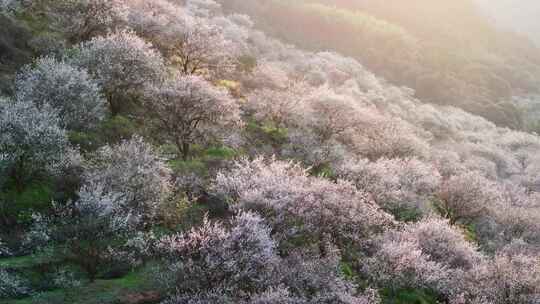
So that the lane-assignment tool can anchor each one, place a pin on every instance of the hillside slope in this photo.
(173, 152)
(447, 51)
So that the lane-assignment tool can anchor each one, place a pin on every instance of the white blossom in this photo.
(69, 90)
(31, 140)
(122, 63)
(189, 110)
(296, 204)
(81, 20)
(134, 171)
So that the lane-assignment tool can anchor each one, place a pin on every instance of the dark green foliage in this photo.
(470, 232)
(247, 63)
(323, 170)
(203, 162)
(19, 36)
(276, 134)
(182, 215)
(405, 213)
(189, 166)
(116, 129)
(16, 206)
(86, 141)
(111, 131)
(409, 296)
(266, 134)
(115, 271)
(13, 41)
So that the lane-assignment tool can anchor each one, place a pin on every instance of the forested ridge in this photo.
(266, 152)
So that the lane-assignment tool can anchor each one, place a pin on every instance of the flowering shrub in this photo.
(318, 279)
(69, 90)
(509, 277)
(82, 20)
(189, 110)
(133, 170)
(31, 141)
(241, 260)
(192, 43)
(429, 254)
(467, 196)
(87, 228)
(383, 160)
(395, 184)
(121, 63)
(299, 206)
(11, 285)
(212, 264)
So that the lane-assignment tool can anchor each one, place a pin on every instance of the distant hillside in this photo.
(448, 51)
(522, 16)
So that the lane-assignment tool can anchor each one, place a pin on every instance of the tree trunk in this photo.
(17, 176)
(92, 266)
(113, 107)
(184, 149)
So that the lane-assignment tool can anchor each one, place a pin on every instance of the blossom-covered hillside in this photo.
(178, 152)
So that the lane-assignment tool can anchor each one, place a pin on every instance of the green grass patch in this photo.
(100, 292)
(189, 166)
(220, 153)
(21, 262)
(202, 161)
(275, 133)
